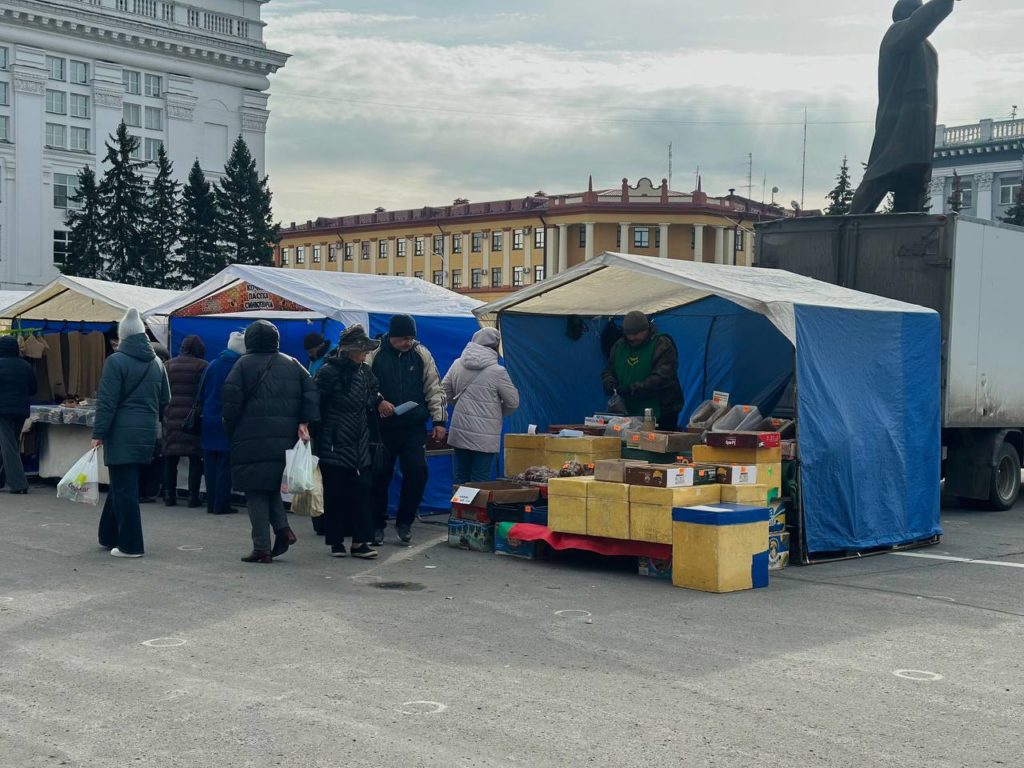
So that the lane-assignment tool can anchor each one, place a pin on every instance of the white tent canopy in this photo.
(343, 296)
(614, 284)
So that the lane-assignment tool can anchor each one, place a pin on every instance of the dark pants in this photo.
(149, 477)
(217, 465)
(10, 458)
(909, 188)
(266, 511)
(409, 448)
(121, 521)
(669, 421)
(346, 505)
(195, 476)
(472, 466)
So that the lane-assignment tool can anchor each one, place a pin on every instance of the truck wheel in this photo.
(1006, 478)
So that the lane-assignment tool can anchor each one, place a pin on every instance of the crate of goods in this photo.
(618, 426)
(706, 415)
(705, 454)
(509, 547)
(650, 457)
(655, 568)
(481, 501)
(662, 442)
(471, 535)
(740, 418)
(759, 494)
(650, 509)
(785, 427)
(720, 547)
(586, 429)
(613, 470)
(608, 510)
(537, 514)
(790, 450)
(585, 450)
(744, 440)
(778, 550)
(669, 475)
(523, 452)
(567, 504)
(737, 474)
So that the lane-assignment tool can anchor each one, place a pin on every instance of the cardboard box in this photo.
(737, 474)
(777, 521)
(586, 450)
(650, 509)
(575, 487)
(613, 470)
(536, 514)
(759, 494)
(504, 545)
(705, 454)
(649, 457)
(749, 440)
(790, 450)
(662, 442)
(608, 510)
(720, 547)
(778, 550)
(567, 514)
(669, 475)
(490, 494)
(586, 429)
(653, 568)
(468, 534)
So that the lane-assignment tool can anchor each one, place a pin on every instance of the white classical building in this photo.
(191, 76)
(988, 156)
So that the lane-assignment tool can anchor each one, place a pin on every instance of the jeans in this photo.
(266, 511)
(195, 476)
(10, 458)
(217, 465)
(472, 466)
(409, 448)
(346, 505)
(121, 521)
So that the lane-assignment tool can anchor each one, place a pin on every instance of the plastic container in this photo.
(785, 427)
(706, 415)
(742, 418)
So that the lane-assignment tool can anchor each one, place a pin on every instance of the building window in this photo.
(79, 105)
(4, 95)
(65, 186)
(56, 102)
(418, 275)
(538, 237)
(495, 277)
(365, 250)
(657, 238)
(153, 149)
(5, 128)
(400, 249)
(154, 119)
(456, 243)
(517, 239)
(167, 11)
(382, 249)
(317, 254)
(517, 276)
(583, 235)
(641, 237)
(56, 136)
(61, 240)
(495, 241)
(476, 278)
(79, 72)
(438, 277)
(967, 194)
(618, 238)
(300, 254)
(55, 67)
(132, 82)
(4, 58)
(132, 115)
(349, 251)
(79, 139)
(1009, 189)
(154, 86)
(419, 246)
(438, 245)
(136, 151)
(738, 244)
(284, 256)
(456, 278)
(399, 274)
(477, 244)
(538, 273)
(332, 253)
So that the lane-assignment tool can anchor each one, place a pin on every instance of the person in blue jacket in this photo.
(318, 348)
(214, 441)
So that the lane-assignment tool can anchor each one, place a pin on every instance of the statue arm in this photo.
(923, 23)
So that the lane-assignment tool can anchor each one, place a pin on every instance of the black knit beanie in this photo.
(402, 326)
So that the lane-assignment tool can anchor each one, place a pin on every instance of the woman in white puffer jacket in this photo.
(483, 395)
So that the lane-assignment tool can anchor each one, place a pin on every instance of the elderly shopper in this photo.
(132, 395)
(184, 372)
(17, 386)
(214, 441)
(348, 402)
(269, 401)
(483, 395)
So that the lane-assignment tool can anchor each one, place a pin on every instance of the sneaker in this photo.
(404, 533)
(378, 537)
(118, 553)
(364, 551)
(338, 550)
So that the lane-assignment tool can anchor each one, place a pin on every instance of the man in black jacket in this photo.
(408, 379)
(17, 385)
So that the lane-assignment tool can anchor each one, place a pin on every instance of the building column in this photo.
(409, 255)
(357, 255)
(748, 249)
(392, 247)
(551, 251)
(467, 243)
(485, 255)
(983, 195)
(719, 244)
(563, 248)
(527, 256)
(937, 193)
(446, 261)
(590, 240)
(663, 235)
(428, 252)
(624, 237)
(698, 242)
(506, 260)
(30, 258)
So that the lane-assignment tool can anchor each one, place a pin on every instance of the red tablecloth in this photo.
(612, 547)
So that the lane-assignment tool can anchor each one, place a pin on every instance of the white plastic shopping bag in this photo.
(299, 464)
(82, 482)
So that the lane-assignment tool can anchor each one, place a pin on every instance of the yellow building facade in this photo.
(489, 249)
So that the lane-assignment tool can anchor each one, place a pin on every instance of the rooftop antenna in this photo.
(803, 172)
(750, 178)
(670, 165)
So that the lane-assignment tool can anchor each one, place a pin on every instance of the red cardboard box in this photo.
(744, 439)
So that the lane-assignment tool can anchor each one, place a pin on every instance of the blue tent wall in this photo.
(214, 332)
(869, 409)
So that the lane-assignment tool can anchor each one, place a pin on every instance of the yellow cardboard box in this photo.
(703, 454)
(567, 504)
(720, 547)
(750, 494)
(608, 510)
(650, 509)
(586, 450)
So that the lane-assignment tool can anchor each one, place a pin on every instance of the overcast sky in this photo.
(406, 103)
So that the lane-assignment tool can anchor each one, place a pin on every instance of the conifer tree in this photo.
(1015, 214)
(160, 228)
(248, 231)
(85, 229)
(200, 255)
(956, 197)
(122, 200)
(842, 195)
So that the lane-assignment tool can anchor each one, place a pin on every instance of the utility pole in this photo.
(750, 178)
(670, 165)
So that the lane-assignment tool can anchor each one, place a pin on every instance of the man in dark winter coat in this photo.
(17, 386)
(643, 369)
(408, 378)
(214, 441)
(132, 396)
(269, 401)
(184, 373)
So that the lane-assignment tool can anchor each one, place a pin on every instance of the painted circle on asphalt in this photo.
(191, 548)
(164, 642)
(918, 675)
(574, 614)
(422, 708)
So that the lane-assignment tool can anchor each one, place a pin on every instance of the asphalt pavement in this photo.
(439, 657)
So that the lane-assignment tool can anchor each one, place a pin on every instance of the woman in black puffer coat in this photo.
(348, 401)
(269, 401)
(184, 373)
(17, 385)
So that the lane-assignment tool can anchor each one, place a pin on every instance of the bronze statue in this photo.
(908, 76)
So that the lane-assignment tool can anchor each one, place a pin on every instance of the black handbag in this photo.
(193, 424)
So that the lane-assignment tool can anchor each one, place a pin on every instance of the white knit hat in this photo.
(236, 342)
(130, 325)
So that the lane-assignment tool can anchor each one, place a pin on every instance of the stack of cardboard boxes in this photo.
(553, 452)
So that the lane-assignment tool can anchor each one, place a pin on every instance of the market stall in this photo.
(300, 301)
(865, 371)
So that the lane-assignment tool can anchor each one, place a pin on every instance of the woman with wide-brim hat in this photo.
(348, 403)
